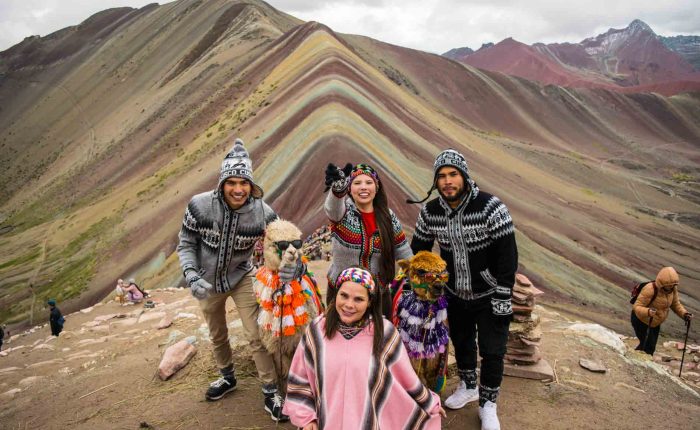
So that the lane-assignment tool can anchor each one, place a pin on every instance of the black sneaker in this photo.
(274, 405)
(220, 387)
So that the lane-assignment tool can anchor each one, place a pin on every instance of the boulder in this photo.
(600, 334)
(523, 309)
(87, 310)
(541, 370)
(522, 280)
(524, 359)
(175, 358)
(592, 365)
(164, 323)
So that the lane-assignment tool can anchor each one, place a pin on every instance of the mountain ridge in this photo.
(100, 157)
(632, 59)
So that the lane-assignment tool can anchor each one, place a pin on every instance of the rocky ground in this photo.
(102, 373)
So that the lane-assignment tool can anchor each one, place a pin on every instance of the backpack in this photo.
(638, 289)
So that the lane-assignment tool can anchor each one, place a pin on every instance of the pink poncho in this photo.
(339, 383)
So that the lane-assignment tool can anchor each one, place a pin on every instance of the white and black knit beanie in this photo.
(448, 157)
(237, 164)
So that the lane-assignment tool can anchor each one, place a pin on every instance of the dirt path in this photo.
(111, 364)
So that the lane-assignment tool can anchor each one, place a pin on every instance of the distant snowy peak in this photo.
(631, 57)
(639, 26)
(614, 39)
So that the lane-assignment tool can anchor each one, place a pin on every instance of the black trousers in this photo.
(641, 330)
(471, 320)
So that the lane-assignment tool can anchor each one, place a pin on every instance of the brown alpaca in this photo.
(420, 315)
(298, 301)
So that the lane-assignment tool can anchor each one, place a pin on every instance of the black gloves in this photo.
(336, 178)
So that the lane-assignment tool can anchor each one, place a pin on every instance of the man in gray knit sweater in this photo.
(217, 237)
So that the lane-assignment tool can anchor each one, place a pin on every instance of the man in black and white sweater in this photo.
(475, 233)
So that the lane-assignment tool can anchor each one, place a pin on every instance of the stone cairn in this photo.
(525, 333)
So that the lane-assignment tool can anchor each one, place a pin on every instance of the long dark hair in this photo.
(374, 310)
(386, 235)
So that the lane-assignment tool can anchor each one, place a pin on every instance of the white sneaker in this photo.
(488, 416)
(462, 396)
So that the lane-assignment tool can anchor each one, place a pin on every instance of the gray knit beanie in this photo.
(238, 164)
(448, 157)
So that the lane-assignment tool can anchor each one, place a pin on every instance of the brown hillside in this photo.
(102, 150)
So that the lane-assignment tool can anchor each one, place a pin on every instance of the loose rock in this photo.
(175, 358)
(592, 365)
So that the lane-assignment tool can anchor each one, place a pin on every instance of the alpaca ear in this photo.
(404, 264)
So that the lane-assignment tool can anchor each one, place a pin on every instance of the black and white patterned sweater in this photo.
(217, 241)
(477, 240)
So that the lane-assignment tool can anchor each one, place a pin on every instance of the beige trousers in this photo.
(214, 310)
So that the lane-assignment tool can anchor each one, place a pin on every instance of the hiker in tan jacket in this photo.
(652, 307)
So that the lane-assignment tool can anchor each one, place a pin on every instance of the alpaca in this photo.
(285, 308)
(420, 315)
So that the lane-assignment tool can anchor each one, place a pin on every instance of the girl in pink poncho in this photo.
(350, 373)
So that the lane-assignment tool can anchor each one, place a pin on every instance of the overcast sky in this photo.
(430, 25)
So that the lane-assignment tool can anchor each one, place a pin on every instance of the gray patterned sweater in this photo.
(217, 241)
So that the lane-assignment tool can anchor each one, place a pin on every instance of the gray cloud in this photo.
(23, 18)
(430, 25)
(439, 25)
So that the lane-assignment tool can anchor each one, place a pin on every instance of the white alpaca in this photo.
(285, 308)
